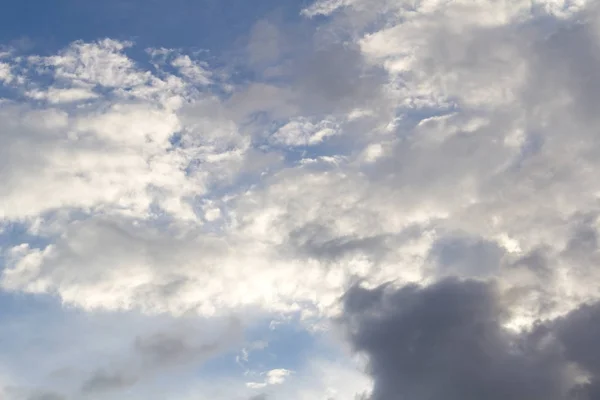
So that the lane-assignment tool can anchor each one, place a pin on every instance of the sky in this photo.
(299, 200)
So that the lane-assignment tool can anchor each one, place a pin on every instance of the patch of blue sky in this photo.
(14, 234)
(32, 328)
(8, 92)
(15, 307)
(40, 337)
(205, 24)
(266, 346)
(288, 344)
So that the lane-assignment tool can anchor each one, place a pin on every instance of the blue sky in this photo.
(326, 199)
(207, 24)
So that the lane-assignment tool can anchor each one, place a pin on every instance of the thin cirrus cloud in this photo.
(446, 150)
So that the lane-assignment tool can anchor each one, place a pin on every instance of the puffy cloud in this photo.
(195, 72)
(102, 63)
(446, 341)
(272, 377)
(304, 133)
(115, 151)
(430, 184)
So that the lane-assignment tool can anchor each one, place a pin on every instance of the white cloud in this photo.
(301, 132)
(110, 152)
(5, 73)
(408, 8)
(277, 376)
(67, 95)
(256, 385)
(193, 71)
(102, 63)
(326, 7)
(272, 377)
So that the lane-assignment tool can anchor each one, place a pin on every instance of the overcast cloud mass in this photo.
(299, 200)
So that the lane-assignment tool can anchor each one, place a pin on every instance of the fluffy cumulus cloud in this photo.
(447, 150)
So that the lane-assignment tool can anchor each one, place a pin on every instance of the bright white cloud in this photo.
(277, 376)
(193, 71)
(138, 154)
(102, 63)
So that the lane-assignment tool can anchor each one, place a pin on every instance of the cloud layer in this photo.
(446, 148)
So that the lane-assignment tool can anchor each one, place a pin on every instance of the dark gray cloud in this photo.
(579, 332)
(446, 341)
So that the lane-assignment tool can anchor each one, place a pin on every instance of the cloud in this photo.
(162, 353)
(115, 148)
(256, 385)
(561, 8)
(20, 394)
(165, 349)
(160, 161)
(102, 381)
(259, 397)
(447, 341)
(101, 63)
(576, 332)
(5, 73)
(46, 396)
(277, 376)
(326, 379)
(273, 377)
(398, 142)
(304, 133)
(56, 95)
(326, 7)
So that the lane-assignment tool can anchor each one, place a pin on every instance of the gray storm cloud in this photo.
(447, 341)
